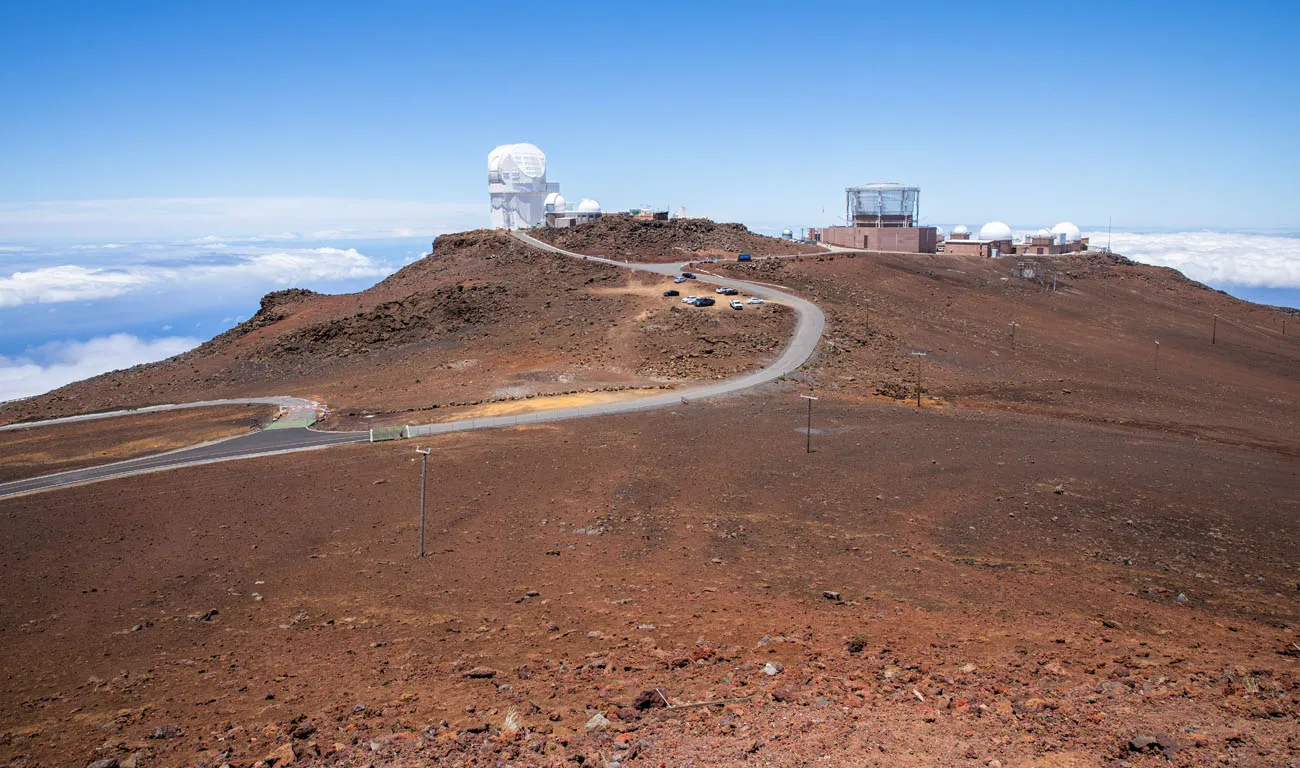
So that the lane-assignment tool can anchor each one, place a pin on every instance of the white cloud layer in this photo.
(148, 218)
(69, 282)
(52, 365)
(1215, 258)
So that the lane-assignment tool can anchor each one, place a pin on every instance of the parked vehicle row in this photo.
(704, 301)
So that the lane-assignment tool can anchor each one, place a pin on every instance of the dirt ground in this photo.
(45, 450)
(940, 586)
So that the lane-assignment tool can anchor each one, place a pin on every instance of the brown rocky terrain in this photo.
(1066, 557)
(485, 318)
(1084, 352)
(623, 237)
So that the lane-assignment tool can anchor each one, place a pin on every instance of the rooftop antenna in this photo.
(1107, 234)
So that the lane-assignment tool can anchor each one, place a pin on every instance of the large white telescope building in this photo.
(517, 186)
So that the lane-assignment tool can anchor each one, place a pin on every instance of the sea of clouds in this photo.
(50, 366)
(97, 293)
(1219, 259)
(219, 264)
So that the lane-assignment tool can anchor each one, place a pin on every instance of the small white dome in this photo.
(1043, 232)
(995, 230)
(939, 231)
(1071, 232)
(588, 206)
(555, 203)
(786, 232)
(960, 229)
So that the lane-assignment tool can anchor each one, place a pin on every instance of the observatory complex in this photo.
(886, 217)
(881, 217)
(995, 239)
(521, 196)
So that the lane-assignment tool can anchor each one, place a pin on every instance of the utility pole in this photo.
(916, 364)
(1156, 365)
(1013, 333)
(810, 400)
(424, 475)
(1214, 330)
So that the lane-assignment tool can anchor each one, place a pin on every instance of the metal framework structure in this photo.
(882, 205)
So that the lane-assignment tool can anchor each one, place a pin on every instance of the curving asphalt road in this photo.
(264, 443)
(807, 332)
(284, 402)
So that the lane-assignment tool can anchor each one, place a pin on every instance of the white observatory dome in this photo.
(995, 230)
(555, 203)
(960, 229)
(517, 160)
(938, 231)
(1043, 232)
(588, 206)
(1071, 232)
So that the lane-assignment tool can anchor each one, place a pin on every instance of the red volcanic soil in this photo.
(484, 319)
(939, 587)
(623, 237)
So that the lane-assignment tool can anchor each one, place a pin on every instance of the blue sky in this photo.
(1154, 114)
(162, 165)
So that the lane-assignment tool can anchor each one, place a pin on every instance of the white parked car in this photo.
(679, 279)
(754, 300)
(735, 304)
(689, 299)
(719, 290)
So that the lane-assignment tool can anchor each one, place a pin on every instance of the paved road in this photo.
(808, 329)
(262, 443)
(284, 402)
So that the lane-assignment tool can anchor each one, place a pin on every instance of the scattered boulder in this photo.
(833, 595)
(107, 762)
(481, 673)
(303, 730)
(165, 732)
(598, 722)
(281, 756)
(648, 699)
(773, 668)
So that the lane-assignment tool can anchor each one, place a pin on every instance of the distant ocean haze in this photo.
(73, 310)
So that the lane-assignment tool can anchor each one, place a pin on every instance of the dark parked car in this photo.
(688, 275)
(704, 301)
(671, 292)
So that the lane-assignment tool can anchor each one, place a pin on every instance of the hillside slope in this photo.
(483, 319)
(1086, 351)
